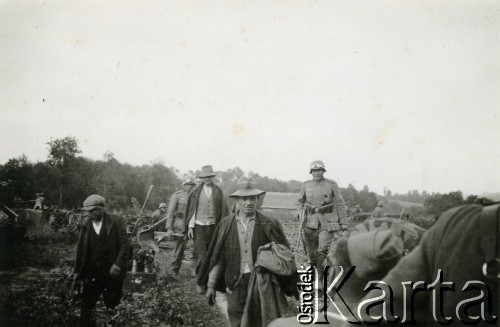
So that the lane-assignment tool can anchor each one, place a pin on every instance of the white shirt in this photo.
(208, 190)
(97, 226)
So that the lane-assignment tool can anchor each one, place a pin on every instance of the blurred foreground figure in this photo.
(458, 266)
(101, 257)
(325, 216)
(373, 254)
(249, 259)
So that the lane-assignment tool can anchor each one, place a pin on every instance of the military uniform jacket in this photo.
(176, 210)
(316, 195)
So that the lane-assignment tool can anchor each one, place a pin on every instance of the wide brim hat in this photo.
(206, 171)
(93, 201)
(246, 187)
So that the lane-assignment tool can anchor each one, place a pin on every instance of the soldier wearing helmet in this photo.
(176, 223)
(325, 216)
(158, 214)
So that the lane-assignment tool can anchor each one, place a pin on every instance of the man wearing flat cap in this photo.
(101, 257)
(233, 253)
(176, 223)
(205, 209)
(325, 214)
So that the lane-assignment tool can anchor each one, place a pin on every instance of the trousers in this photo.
(94, 285)
(180, 246)
(202, 236)
(318, 242)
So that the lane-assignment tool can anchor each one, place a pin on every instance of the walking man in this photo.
(326, 218)
(175, 221)
(101, 258)
(205, 209)
(229, 264)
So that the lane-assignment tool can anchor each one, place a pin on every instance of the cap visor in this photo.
(88, 208)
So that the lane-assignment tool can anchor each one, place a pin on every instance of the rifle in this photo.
(301, 223)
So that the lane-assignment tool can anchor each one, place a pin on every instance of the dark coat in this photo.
(219, 204)
(118, 245)
(453, 244)
(225, 247)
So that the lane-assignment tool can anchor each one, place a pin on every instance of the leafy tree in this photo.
(62, 153)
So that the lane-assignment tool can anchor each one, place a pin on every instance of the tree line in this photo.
(66, 179)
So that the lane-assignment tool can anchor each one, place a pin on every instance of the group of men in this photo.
(230, 249)
(226, 246)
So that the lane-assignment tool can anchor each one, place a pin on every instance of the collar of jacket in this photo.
(106, 223)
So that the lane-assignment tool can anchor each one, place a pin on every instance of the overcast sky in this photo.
(402, 94)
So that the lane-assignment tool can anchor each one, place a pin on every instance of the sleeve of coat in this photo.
(79, 248)
(170, 212)
(124, 252)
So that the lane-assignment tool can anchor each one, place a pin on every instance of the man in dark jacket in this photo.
(233, 251)
(205, 209)
(101, 257)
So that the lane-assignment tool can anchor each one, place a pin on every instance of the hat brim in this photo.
(189, 183)
(88, 208)
(206, 175)
(242, 193)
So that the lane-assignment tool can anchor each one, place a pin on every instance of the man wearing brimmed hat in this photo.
(176, 223)
(205, 209)
(232, 254)
(101, 257)
(325, 216)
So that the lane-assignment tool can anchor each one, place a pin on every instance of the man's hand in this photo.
(190, 232)
(210, 295)
(114, 271)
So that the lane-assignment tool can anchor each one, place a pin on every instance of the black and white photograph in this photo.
(249, 163)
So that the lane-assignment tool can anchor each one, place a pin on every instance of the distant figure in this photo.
(101, 258)
(357, 209)
(159, 213)
(39, 201)
(379, 211)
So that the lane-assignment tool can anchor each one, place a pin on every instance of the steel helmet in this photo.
(316, 164)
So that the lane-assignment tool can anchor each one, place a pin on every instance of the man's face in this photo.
(208, 180)
(96, 214)
(248, 204)
(317, 174)
(163, 209)
(187, 188)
